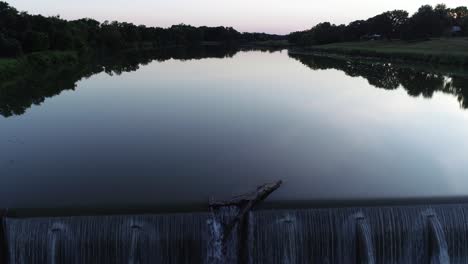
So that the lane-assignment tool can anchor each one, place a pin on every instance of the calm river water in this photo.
(178, 128)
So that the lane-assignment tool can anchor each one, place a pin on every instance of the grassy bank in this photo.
(10, 68)
(52, 58)
(444, 51)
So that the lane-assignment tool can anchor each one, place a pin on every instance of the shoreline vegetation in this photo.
(436, 35)
(34, 86)
(446, 51)
(34, 42)
(11, 68)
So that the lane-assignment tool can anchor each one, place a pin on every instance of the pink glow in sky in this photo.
(272, 16)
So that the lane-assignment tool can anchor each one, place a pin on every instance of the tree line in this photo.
(427, 22)
(22, 33)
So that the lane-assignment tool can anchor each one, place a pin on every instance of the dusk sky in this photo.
(271, 16)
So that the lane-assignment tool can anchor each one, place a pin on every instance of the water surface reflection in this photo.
(416, 80)
(177, 127)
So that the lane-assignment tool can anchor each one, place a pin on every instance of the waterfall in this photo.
(418, 234)
(222, 247)
(109, 239)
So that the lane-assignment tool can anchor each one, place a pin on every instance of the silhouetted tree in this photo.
(388, 24)
(36, 41)
(428, 22)
(356, 29)
(425, 23)
(9, 47)
(22, 32)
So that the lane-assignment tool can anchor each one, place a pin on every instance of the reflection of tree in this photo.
(387, 76)
(383, 77)
(421, 83)
(131, 61)
(16, 96)
(458, 85)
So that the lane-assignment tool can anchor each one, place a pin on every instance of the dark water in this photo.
(180, 126)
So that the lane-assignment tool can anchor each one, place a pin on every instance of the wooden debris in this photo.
(245, 203)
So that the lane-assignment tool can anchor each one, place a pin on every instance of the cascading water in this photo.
(422, 234)
(222, 247)
(3, 245)
(111, 239)
(362, 235)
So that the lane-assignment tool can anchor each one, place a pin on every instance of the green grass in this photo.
(444, 50)
(52, 58)
(9, 67)
(6, 63)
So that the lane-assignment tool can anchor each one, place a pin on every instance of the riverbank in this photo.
(10, 68)
(269, 44)
(14, 68)
(444, 69)
(452, 51)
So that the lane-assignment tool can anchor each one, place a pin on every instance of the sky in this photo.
(271, 16)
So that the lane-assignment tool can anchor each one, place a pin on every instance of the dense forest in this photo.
(427, 22)
(22, 33)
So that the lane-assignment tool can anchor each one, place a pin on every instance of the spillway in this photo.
(399, 234)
